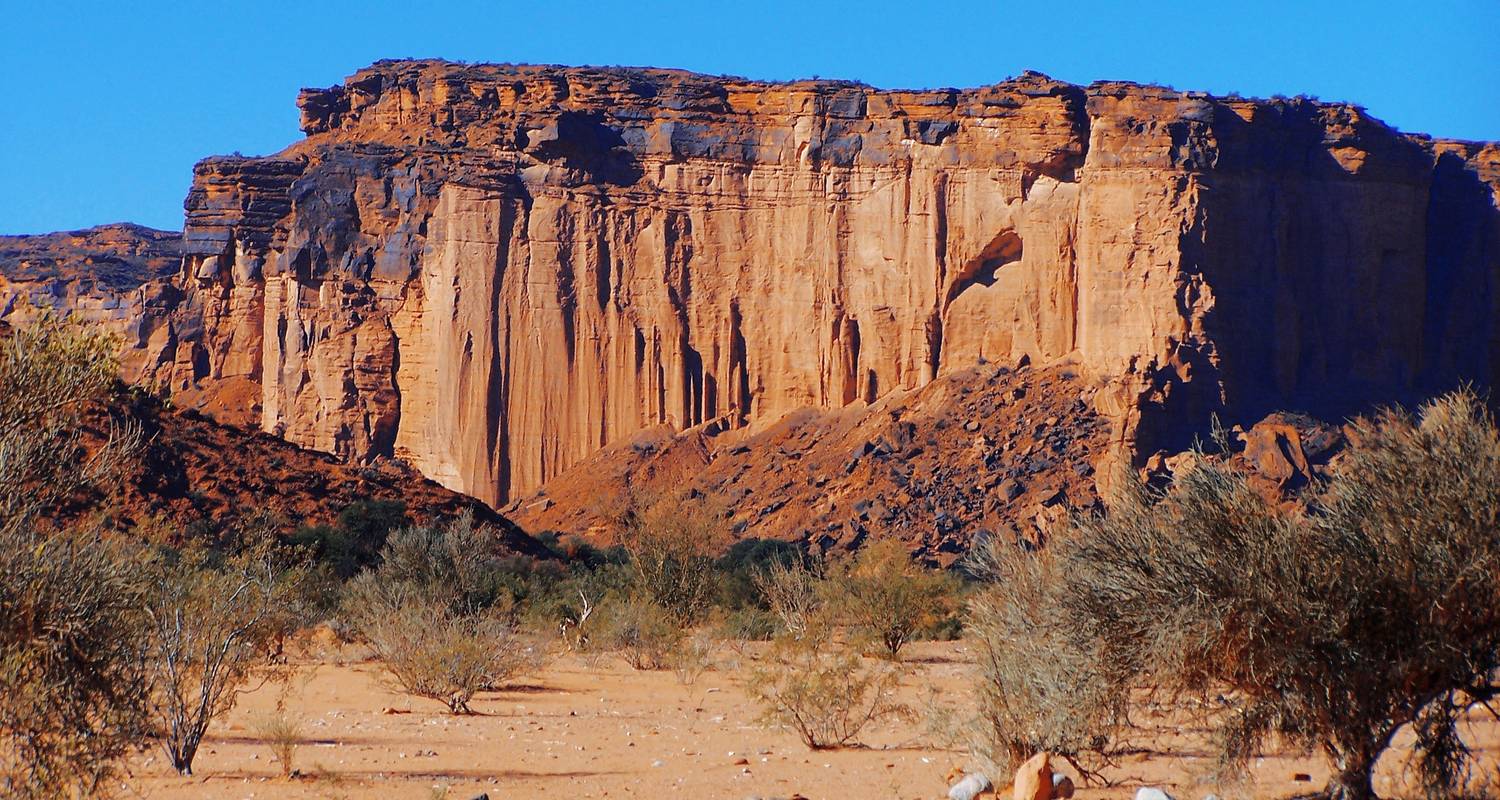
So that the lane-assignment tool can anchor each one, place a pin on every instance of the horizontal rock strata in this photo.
(492, 271)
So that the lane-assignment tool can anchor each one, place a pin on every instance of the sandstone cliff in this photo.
(494, 271)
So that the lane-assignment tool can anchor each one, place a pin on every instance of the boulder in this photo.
(1034, 779)
(968, 787)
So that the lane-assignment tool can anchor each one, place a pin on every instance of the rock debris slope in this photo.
(492, 271)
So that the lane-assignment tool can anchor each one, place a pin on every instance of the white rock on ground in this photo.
(968, 787)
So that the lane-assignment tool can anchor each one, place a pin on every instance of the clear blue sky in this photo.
(106, 105)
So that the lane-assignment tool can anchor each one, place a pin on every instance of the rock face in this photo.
(493, 271)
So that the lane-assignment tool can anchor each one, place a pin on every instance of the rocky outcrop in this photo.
(194, 476)
(101, 273)
(494, 271)
(978, 453)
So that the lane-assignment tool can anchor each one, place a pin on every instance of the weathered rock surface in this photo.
(494, 271)
(192, 471)
(1033, 779)
(983, 452)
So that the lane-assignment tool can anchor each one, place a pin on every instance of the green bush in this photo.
(889, 600)
(669, 544)
(744, 561)
(354, 542)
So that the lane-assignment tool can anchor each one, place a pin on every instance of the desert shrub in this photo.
(212, 619)
(72, 688)
(282, 734)
(438, 613)
(572, 606)
(794, 593)
(434, 652)
(458, 563)
(826, 695)
(51, 372)
(669, 543)
(1042, 684)
(890, 600)
(72, 684)
(1376, 608)
(644, 633)
(744, 561)
(693, 656)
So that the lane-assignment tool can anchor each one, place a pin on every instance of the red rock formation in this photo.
(494, 271)
(192, 470)
(985, 451)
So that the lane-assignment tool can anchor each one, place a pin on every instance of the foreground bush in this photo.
(1377, 608)
(826, 695)
(72, 681)
(435, 653)
(73, 688)
(212, 620)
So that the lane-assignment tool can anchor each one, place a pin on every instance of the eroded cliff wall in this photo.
(493, 271)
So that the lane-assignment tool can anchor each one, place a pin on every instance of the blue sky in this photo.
(107, 105)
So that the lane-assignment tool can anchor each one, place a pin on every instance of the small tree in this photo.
(1377, 607)
(211, 620)
(889, 600)
(669, 546)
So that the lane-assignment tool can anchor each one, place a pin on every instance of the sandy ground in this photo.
(596, 728)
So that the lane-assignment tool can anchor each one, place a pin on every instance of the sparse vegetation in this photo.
(282, 734)
(794, 594)
(212, 619)
(435, 653)
(72, 684)
(1377, 607)
(643, 632)
(694, 656)
(669, 544)
(437, 612)
(826, 695)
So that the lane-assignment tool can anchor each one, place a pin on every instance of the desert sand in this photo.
(593, 727)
